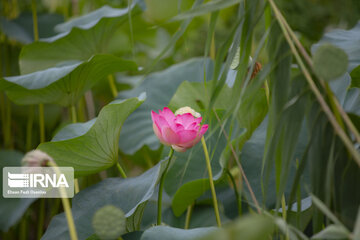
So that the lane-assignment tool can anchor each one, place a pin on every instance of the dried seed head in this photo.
(36, 158)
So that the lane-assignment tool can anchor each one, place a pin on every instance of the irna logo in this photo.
(34, 180)
(38, 182)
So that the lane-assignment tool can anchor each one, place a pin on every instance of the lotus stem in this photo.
(41, 218)
(188, 216)
(161, 186)
(41, 123)
(73, 114)
(66, 205)
(121, 170)
(3, 115)
(90, 106)
(131, 30)
(35, 22)
(112, 84)
(29, 127)
(74, 120)
(23, 228)
(76, 185)
(212, 186)
(36, 38)
(7, 130)
(236, 192)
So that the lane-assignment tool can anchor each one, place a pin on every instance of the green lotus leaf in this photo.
(63, 85)
(94, 147)
(95, 33)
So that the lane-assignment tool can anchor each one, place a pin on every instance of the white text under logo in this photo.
(21, 180)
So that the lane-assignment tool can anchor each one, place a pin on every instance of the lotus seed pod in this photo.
(330, 62)
(109, 222)
(36, 158)
(184, 110)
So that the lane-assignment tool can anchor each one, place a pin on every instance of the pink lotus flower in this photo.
(181, 132)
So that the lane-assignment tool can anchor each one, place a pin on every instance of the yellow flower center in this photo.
(187, 110)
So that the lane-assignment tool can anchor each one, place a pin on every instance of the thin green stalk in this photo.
(7, 103)
(238, 164)
(29, 127)
(90, 106)
(81, 110)
(36, 38)
(30, 120)
(74, 120)
(188, 216)
(66, 10)
(342, 112)
(267, 92)
(66, 206)
(73, 114)
(121, 170)
(41, 218)
(329, 176)
(132, 46)
(268, 21)
(15, 8)
(298, 199)
(2, 95)
(148, 160)
(35, 22)
(75, 8)
(236, 192)
(3, 115)
(212, 186)
(55, 206)
(76, 186)
(340, 132)
(161, 186)
(283, 206)
(112, 85)
(41, 123)
(212, 47)
(7, 56)
(7, 130)
(23, 228)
